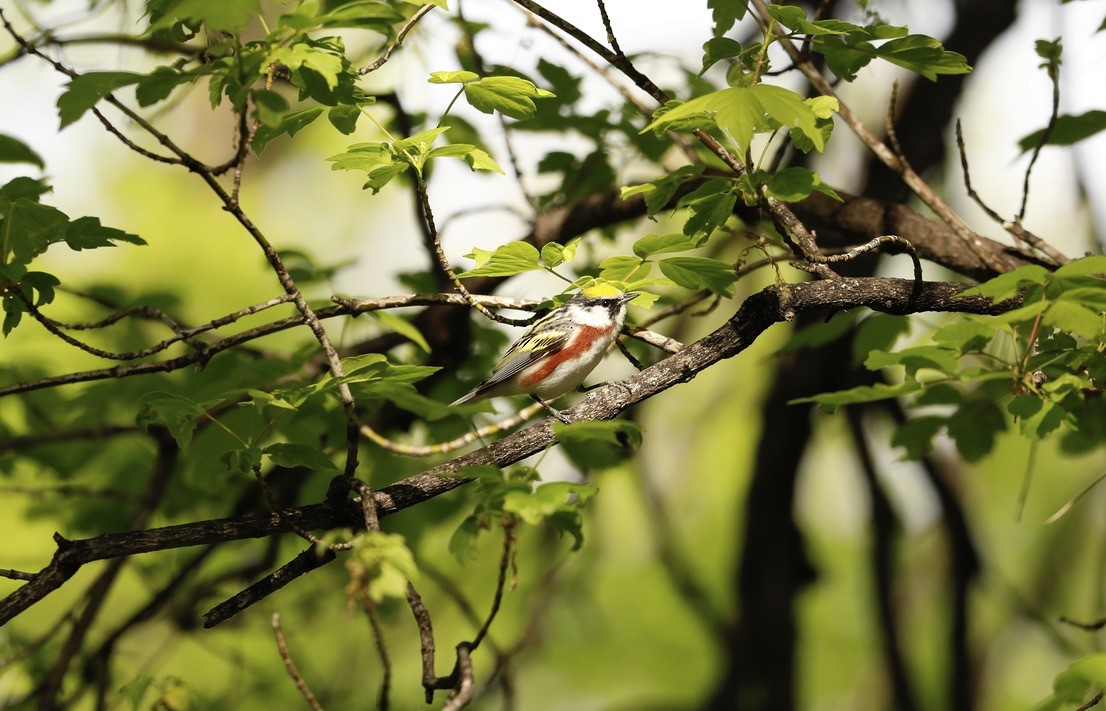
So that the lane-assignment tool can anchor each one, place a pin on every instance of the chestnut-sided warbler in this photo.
(558, 350)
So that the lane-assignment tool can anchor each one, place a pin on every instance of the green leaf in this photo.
(651, 244)
(383, 564)
(462, 544)
(291, 123)
(326, 64)
(818, 334)
(1087, 266)
(916, 435)
(1073, 318)
(344, 118)
(1091, 297)
(476, 158)
(12, 150)
(700, 273)
(622, 267)
(710, 205)
(1092, 668)
(598, 444)
(403, 327)
(792, 184)
(924, 55)
(508, 260)
(742, 111)
(659, 192)
(718, 48)
(966, 336)
(377, 160)
(974, 427)
(29, 229)
(726, 13)
(561, 82)
(420, 142)
(1068, 129)
(939, 358)
(178, 413)
(85, 91)
(41, 286)
(291, 454)
(242, 460)
(554, 254)
(159, 84)
(1006, 286)
(221, 16)
(510, 96)
(829, 402)
(88, 233)
(461, 77)
(135, 689)
(362, 14)
(878, 332)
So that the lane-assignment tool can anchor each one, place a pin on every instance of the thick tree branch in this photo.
(760, 311)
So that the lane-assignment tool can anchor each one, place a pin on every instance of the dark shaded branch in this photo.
(886, 530)
(302, 564)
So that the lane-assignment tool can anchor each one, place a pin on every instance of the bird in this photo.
(559, 350)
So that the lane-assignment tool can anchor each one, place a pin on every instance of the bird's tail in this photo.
(465, 398)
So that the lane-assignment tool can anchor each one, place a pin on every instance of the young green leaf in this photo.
(403, 327)
(659, 192)
(510, 96)
(700, 273)
(508, 260)
(742, 111)
(649, 245)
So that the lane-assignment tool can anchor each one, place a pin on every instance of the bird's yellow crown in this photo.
(600, 291)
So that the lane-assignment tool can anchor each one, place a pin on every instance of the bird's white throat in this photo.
(594, 316)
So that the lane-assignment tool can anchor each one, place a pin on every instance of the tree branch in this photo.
(761, 310)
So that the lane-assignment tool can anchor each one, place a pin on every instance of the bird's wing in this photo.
(540, 340)
(546, 335)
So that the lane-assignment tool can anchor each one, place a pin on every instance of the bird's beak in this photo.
(627, 298)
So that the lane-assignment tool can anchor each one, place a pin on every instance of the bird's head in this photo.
(600, 304)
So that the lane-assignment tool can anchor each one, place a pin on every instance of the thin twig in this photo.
(462, 693)
(426, 640)
(426, 450)
(443, 262)
(880, 241)
(611, 40)
(504, 564)
(1054, 77)
(407, 27)
(286, 657)
(1015, 226)
(369, 607)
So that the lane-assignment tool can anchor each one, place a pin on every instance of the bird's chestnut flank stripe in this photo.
(575, 348)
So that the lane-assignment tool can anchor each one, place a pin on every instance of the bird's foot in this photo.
(552, 410)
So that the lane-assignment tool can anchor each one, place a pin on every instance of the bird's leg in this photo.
(552, 410)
